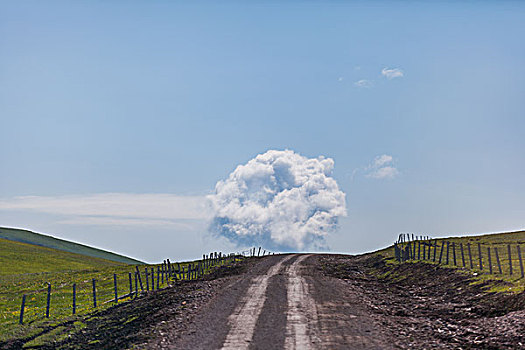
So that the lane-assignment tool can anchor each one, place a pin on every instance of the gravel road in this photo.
(285, 303)
(305, 301)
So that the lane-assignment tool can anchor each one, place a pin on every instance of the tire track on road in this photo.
(301, 317)
(244, 318)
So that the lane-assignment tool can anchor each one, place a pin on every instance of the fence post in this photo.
(158, 277)
(497, 260)
(169, 267)
(22, 309)
(94, 293)
(152, 278)
(510, 258)
(136, 286)
(480, 257)
(521, 262)
(435, 249)
(448, 246)
(441, 252)
(162, 271)
(115, 285)
(490, 260)
(48, 299)
(462, 254)
(418, 250)
(130, 285)
(74, 298)
(470, 256)
(147, 279)
(140, 279)
(259, 252)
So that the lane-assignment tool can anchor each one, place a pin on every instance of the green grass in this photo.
(502, 282)
(22, 258)
(27, 269)
(25, 236)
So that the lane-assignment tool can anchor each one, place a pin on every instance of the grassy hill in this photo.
(481, 256)
(21, 258)
(29, 237)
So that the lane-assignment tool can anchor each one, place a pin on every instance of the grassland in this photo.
(499, 282)
(27, 269)
(25, 236)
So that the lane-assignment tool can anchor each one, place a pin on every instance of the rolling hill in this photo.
(37, 239)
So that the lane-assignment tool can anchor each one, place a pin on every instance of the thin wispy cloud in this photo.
(392, 73)
(114, 208)
(382, 168)
(364, 83)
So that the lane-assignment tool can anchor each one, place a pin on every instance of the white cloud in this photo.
(340, 79)
(363, 83)
(386, 172)
(392, 73)
(115, 208)
(279, 199)
(382, 160)
(382, 168)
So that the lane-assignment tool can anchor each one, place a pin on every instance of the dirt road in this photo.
(304, 301)
(286, 304)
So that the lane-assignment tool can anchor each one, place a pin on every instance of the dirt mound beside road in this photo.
(432, 307)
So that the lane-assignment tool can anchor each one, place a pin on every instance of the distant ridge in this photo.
(26, 236)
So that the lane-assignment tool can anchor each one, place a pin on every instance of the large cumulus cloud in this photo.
(279, 199)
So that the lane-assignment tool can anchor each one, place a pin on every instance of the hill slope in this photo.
(25, 236)
(22, 258)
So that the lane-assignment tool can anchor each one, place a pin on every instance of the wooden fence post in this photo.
(136, 286)
(435, 249)
(137, 271)
(259, 252)
(22, 309)
(448, 245)
(130, 285)
(429, 246)
(441, 252)
(424, 251)
(462, 254)
(152, 278)
(470, 256)
(490, 260)
(74, 298)
(454, 253)
(418, 250)
(158, 277)
(521, 262)
(497, 260)
(48, 299)
(510, 258)
(94, 293)
(115, 286)
(147, 279)
(480, 257)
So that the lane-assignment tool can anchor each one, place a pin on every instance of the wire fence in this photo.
(492, 258)
(66, 297)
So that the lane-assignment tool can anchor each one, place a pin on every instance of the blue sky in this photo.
(166, 98)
